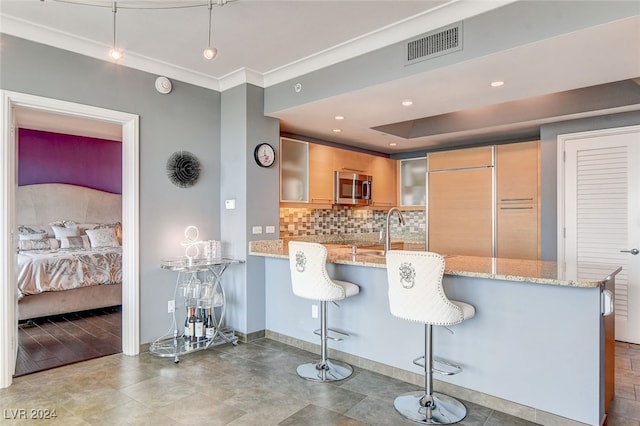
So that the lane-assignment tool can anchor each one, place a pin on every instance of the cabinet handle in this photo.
(516, 208)
(321, 199)
(516, 199)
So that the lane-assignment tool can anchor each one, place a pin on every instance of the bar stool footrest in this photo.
(455, 369)
(318, 332)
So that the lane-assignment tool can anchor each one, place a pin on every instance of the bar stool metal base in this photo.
(447, 409)
(331, 371)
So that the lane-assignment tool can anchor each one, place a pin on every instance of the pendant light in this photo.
(210, 52)
(115, 54)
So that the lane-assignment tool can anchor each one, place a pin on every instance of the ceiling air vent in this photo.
(435, 43)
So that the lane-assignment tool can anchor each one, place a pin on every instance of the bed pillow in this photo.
(103, 237)
(43, 244)
(62, 232)
(41, 235)
(34, 229)
(117, 227)
(79, 242)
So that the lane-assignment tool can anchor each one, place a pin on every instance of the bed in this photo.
(69, 252)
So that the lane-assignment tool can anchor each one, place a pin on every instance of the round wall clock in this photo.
(264, 154)
(183, 169)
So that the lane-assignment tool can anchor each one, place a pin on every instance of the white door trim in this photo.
(560, 178)
(130, 219)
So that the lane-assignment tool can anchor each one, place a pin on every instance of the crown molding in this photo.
(73, 43)
(452, 11)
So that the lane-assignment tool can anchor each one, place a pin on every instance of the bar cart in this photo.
(200, 295)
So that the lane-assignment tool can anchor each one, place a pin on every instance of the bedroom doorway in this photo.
(12, 102)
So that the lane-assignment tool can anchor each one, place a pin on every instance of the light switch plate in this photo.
(256, 230)
(230, 204)
(270, 229)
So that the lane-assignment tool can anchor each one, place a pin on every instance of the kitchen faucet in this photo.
(387, 240)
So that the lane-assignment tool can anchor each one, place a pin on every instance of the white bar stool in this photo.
(310, 280)
(416, 294)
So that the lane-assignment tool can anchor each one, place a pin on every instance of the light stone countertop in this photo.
(529, 271)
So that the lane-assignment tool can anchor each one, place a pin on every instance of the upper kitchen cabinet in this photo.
(321, 174)
(383, 171)
(517, 167)
(517, 204)
(307, 173)
(413, 182)
(461, 159)
(351, 161)
(294, 168)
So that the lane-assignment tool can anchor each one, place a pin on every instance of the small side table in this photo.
(206, 294)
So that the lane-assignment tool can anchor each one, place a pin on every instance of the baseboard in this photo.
(245, 338)
(498, 404)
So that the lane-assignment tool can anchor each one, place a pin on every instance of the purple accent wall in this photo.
(45, 157)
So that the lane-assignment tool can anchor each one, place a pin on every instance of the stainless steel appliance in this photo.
(352, 189)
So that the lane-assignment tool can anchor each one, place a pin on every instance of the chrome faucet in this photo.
(387, 240)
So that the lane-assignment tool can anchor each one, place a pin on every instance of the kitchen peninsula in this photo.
(539, 346)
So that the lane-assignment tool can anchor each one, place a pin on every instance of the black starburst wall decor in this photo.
(183, 169)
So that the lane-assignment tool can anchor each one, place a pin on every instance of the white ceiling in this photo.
(266, 42)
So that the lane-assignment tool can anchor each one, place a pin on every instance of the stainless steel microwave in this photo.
(352, 189)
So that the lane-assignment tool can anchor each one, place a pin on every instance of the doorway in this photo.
(598, 207)
(11, 102)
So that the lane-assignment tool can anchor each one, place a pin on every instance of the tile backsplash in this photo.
(298, 222)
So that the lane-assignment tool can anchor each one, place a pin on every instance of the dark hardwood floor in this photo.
(50, 342)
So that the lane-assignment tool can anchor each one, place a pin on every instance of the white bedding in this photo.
(65, 269)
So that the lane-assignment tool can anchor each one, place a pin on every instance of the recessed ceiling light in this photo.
(407, 102)
(339, 117)
(337, 130)
(393, 144)
(497, 83)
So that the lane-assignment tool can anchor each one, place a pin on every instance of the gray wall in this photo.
(186, 119)
(256, 191)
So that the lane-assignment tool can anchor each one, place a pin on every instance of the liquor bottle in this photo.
(199, 326)
(209, 327)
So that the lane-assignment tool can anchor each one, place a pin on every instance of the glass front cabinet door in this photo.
(413, 182)
(294, 170)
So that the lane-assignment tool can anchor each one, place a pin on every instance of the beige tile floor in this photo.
(251, 384)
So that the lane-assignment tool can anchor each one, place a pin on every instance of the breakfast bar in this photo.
(540, 345)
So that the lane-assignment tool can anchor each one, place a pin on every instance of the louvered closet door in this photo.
(602, 218)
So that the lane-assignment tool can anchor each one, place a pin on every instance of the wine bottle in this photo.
(199, 325)
(192, 324)
(186, 324)
(209, 327)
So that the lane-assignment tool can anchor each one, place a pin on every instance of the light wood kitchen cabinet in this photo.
(517, 204)
(384, 173)
(307, 173)
(321, 177)
(351, 161)
(461, 205)
(460, 202)
(461, 158)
